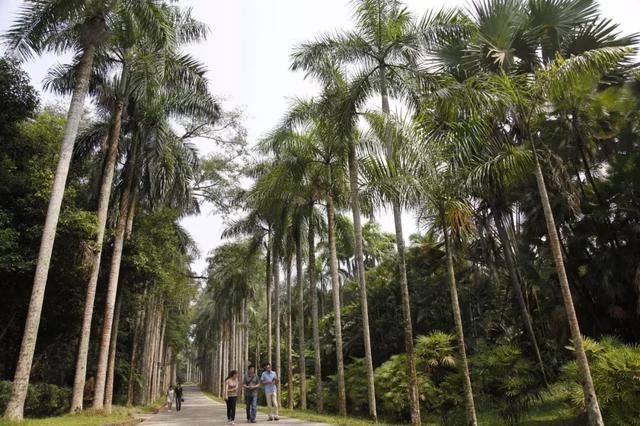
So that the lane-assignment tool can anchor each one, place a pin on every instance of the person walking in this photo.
(231, 395)
(178, 392)
(170, 397)
(269, 379)
(251, 385)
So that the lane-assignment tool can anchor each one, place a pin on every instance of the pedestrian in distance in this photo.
(231, 395)
(170, 397)
(270, 381)
(178, 392)
(251, 385)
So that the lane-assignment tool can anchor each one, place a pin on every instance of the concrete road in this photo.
(198, 410)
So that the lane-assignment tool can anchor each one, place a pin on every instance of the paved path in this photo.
(199, 410)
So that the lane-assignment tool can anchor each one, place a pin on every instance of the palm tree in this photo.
(135, 53)
(180, 90)
(81, 27)
(445, 204)
(383, 46)
(310, 153)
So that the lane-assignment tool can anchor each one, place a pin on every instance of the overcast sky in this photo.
(247, 54)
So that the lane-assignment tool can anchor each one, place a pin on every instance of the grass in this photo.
(118, 416)
(550, 411)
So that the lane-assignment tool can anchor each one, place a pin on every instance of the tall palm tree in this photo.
(383, 45)
(81, 27)
(181, 90)
(133, 53)
(310, 153)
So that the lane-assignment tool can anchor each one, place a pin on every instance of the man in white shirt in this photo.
(269, 379)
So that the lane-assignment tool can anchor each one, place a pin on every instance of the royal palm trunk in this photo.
(414, 397)
(313, 291)
(15, 405)
(103, 210)
(470, 409)
(335, 284)
(362, 282)
(300, 286)
(112, 288)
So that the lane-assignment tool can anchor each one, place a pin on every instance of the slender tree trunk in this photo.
(362, 282)
(414, 399)
(335, 284)
(517, 289)
(269, 285)
(133, 364)
(313, 291)
(300, 285)
(470, 409)
(15, 405)
(289, 338)
(591, 400)
(113, 346)
(276, 294)
(112, 287)
(103, 210)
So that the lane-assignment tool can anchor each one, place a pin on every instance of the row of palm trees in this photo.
(476, 93)
(128, 58)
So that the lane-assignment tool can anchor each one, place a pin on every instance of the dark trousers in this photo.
(251, 402)
(231, 407)
(178, 402)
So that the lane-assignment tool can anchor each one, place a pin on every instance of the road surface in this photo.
(198, 409)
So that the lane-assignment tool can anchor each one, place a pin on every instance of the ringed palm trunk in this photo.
(414, 399)
(289, 339)
(113, 347)
(311, 272)
(362, 282)
(112, 288)
(276, 294)
(592, 407)
(269, 285)
(15, 405)
(335, 284)
(300, 285)
(470, 409)
(103, 210)
(517, 289)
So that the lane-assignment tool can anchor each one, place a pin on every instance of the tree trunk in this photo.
(362, 282)
(517, 289)
(113, 346)
(414, 399)
(276, 294)
(15, 405)
(313, 291)
(133, 365)
(103, 210)
(470, 409)
(591, 400)
(269, 285)
(112, 287)
(300, 285)
(289, 338)
(333, 264)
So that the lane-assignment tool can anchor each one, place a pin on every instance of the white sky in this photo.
(247, 54)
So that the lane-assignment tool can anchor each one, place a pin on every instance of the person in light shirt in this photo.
(269, 379)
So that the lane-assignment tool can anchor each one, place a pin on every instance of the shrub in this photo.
(43, 399)
(507, 382)
(392, 386)
(615, 369)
